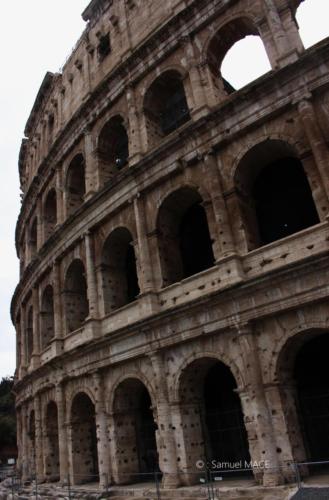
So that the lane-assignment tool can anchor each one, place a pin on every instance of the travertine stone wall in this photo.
(116, 336)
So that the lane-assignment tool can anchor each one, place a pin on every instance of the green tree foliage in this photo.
(7, 413)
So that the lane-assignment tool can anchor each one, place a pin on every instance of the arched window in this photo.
(51, 443)
(119, 272)
(47, 317)
(228, 51)
(184, 240)
(50, 213)
(29, 335)
(75, 296)
(165, 106)
(75, 184)
(84, 440)
(312, 23)
(113, 148)
(274, 194)
(33, 241)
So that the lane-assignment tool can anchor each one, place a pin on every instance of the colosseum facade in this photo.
(173, 242)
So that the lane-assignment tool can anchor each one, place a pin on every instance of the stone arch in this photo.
(273, 193)
(76, 304)
(301, 372)
(75, 184)
(232, 30)
(80, 386)
(50, 213)
(165, 105)
(211, 415)
(112, 147)
(47, 320)
(83, 439)
(135, 429)
(182, 224)
(119, 270)
(51, 448)
(135, 374)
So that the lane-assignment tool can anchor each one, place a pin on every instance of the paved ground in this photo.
(312, 494)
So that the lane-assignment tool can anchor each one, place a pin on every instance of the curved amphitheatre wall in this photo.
(173, 241)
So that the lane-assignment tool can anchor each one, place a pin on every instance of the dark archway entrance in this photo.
(311, 374)
(136, 448)
(212, 417)
(84, 440)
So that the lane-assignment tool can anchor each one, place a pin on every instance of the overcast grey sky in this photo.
(36, 36)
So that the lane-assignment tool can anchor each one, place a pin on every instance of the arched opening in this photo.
(135, 428)
(113, 149)
(311, 374)
(50, 214)
(165, 106)
(212, 418)
(51, 443)
(119, 271)
(274, 194)
(29, 335)
(310, 14)
(75, 184)
(237, 41)
(31, 443)
(34, 237)
(47, 317)
(75, 296)
(185, 245)
(84, 440)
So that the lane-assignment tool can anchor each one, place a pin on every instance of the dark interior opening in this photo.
(75, 296)
(146, 442)
(283, 200)
(52, 443)
(50, 213)
(195, 243)
(224, 424)
(311, 374)
(76, 187)
(47, 317)
(131, 272)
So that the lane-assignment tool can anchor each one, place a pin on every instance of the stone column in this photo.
(256, 409)
(62, 434)
(36, 327)
(40, 225)
(316, 140)
(59, 196)
(215, 189)
(145, 274)
(165, 434)
(24, 457)
(38, 439)
(19, 442)
(22, 370)
(58, 314)
(135, 141)
(102, 434)
(91, 173)
(279, 35)
(91, 277)
(199, 96)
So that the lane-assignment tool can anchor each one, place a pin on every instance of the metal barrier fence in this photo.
(209, 481)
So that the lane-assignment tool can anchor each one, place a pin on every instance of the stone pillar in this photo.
(24, 456)
(256, 409)
(145, 275)
(58, 314)
(38, 439)
(198, 92)
(316, 140)
(286, 54)
(91, 277)
(40, 224)
(165, 434)
(62, 434)
(36, 327)
(102, 434)
(59, 196)
(19, 439)
(23, 365)
(91, 174)
(215, 189)
(135, 141)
